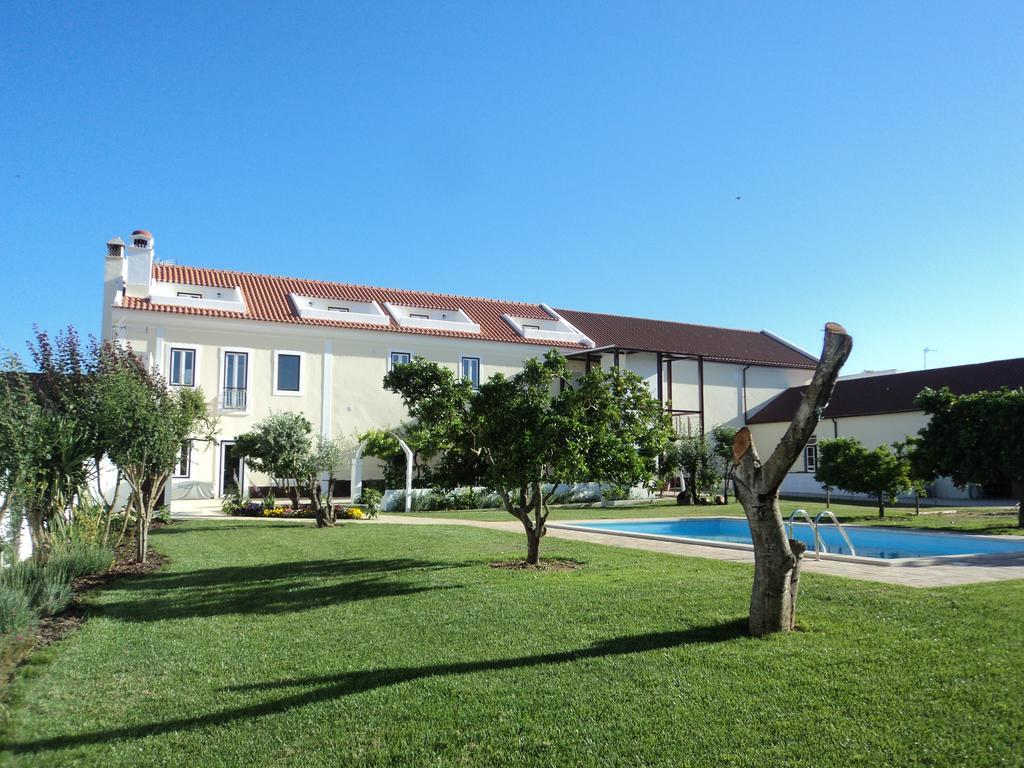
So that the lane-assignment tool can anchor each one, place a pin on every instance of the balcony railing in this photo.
(233, 399)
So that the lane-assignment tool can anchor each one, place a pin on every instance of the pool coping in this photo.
(982, 558)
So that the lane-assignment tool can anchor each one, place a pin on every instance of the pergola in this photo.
(664, 376)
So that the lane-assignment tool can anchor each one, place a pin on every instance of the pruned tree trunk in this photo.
(533, 500)
(881, 506)
(776, 557)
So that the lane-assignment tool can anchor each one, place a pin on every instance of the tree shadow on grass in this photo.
(331, 687)
(268, 588)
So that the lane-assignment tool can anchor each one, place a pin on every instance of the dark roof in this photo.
(895, 392)
(721, 344)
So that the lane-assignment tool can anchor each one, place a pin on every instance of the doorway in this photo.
(231, 469)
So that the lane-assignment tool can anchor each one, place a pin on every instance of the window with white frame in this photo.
(236, 380)
(811, 455)
(337, 309)
(400, 358)
(287, 373)
(189, 295)
(471, 371)
(183, 367)
(529, 327)
(184, 466)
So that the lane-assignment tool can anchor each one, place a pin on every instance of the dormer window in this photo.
(554, 327)
(432, 318)
(187, 295)
(333, 310)
(202, 296)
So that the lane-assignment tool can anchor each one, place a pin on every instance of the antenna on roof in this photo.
(926, 350)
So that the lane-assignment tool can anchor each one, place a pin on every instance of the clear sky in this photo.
(588, 155)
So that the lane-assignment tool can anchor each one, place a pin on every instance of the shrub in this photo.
(47, 586)
(81, 559)
(163, 515)
(370, 498)
(17, 617)
(615, 493)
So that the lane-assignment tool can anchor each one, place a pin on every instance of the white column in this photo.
(326, 381)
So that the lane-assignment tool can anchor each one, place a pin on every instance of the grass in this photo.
(986, 520)
(275, 644)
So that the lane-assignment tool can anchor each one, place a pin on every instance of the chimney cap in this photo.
(115, 241)
(142, 232)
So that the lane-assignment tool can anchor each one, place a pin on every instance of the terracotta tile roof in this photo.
(267, 300)
(720, 344)
(895, 392)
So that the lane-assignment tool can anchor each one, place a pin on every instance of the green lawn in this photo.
(275, 644)
(967, 519)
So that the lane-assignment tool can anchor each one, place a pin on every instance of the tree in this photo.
(722, 438)
(523, 435)
(142, 424)
(974, 438)
(697, 459)
(845, 463)
(776, 557)
(283, 446)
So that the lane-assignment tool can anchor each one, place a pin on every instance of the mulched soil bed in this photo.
(544, 565)
(53, 628)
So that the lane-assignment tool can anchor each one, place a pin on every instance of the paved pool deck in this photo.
(920, 572)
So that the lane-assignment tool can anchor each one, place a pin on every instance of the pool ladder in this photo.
(819, 545)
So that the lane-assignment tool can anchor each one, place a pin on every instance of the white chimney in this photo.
(138, 264)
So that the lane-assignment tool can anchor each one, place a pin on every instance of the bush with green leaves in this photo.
(47, 586)
(370, 498)
(81, 558)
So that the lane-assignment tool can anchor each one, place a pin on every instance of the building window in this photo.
(337, 309)
(400, 358)
(471, 371)
(288, 373)
(236, 379)
(187, 295)
(184, 466)
(528, 327)
(415, 316)
(811, 455)
(183, 367)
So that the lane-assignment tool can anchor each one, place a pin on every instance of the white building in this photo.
(257, 344)
(879, 410)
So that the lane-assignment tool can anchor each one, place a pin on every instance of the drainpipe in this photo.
(745, 394)
(835, 428)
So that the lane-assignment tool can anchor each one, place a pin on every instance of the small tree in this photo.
(142, 424)
(974, 438)
(283, 446)
(776, 557)
(722, 438)
(523, 435)
(698, 461)
(845, 463)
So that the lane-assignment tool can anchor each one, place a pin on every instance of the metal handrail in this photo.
(233, 399)
(814, 530)
(842, 531)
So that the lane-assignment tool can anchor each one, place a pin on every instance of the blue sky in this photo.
(588, 155)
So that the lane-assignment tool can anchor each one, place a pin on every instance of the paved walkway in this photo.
(922, 572)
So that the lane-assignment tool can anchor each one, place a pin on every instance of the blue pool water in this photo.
(868, 541)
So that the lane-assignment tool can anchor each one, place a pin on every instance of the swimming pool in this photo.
(868, 541)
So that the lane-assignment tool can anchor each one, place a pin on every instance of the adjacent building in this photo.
(879, 410)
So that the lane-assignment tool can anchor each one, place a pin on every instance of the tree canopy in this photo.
(525, 434)
(973, 438)
(845, 463)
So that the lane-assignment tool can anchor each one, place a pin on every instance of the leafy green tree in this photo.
(523, 435)
(142, 423)
(845, 463)
(722, 438)
(284, 447)
(974, 438)
(697, 459)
